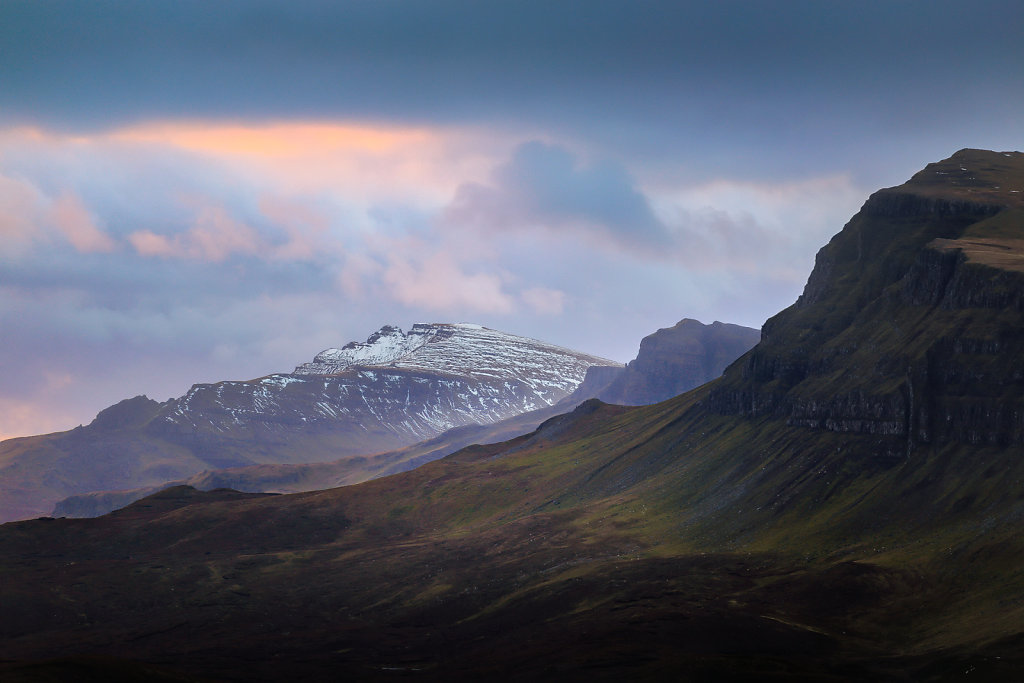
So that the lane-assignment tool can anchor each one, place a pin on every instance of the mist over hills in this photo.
(844, 503)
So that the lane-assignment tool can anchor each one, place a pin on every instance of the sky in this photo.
(200, 191)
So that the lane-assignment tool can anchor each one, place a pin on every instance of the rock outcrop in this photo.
(909, 326)
(670, 362)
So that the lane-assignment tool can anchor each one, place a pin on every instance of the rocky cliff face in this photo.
(670, 362)
(910, 325)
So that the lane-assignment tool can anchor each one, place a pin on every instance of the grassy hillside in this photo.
(616, 542)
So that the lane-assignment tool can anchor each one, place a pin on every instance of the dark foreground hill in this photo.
(845, 503)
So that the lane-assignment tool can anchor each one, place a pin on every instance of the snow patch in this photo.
(281, 380)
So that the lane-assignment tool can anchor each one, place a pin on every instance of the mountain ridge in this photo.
(713, 536)
(669, 361)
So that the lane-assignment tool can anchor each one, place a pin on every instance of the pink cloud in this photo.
(357, 270)
(437, 282)
(74, 221)
(148, 243)
(214, 236)
(544, 301)
(305, 227)
(39, 413)
(27, 217)
(19, 204)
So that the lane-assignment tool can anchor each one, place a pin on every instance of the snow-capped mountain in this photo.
(389, 392)
(462, 349)
(412, 386)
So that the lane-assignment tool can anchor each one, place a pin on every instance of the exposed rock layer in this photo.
(940, 360)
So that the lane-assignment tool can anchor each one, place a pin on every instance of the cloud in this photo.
(74, 221)
(545, 186)
(547, 196)
(35, 414)
(543, 300)
(214, 236)
(723, 87)
(756, 227)
(430, 279)
(19, 208)
(28, 217)
(306, 227)
(378, 160)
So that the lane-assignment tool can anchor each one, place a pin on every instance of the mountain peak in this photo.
(382, 347)
(458, 349)
(977, 175)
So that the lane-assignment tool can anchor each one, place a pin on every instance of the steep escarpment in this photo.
(670, 361)
(907, 329)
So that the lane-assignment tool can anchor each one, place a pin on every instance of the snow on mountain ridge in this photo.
(382, 347)
(392, 390)
(461, 349)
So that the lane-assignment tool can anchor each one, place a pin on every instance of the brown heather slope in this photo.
(845, 503)
(297, 478)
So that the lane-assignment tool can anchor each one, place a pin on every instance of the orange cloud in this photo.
(278, 140)
(368, 160)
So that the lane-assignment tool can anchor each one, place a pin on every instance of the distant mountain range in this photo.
(669, 362)
(387, 393)
(844, 504)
